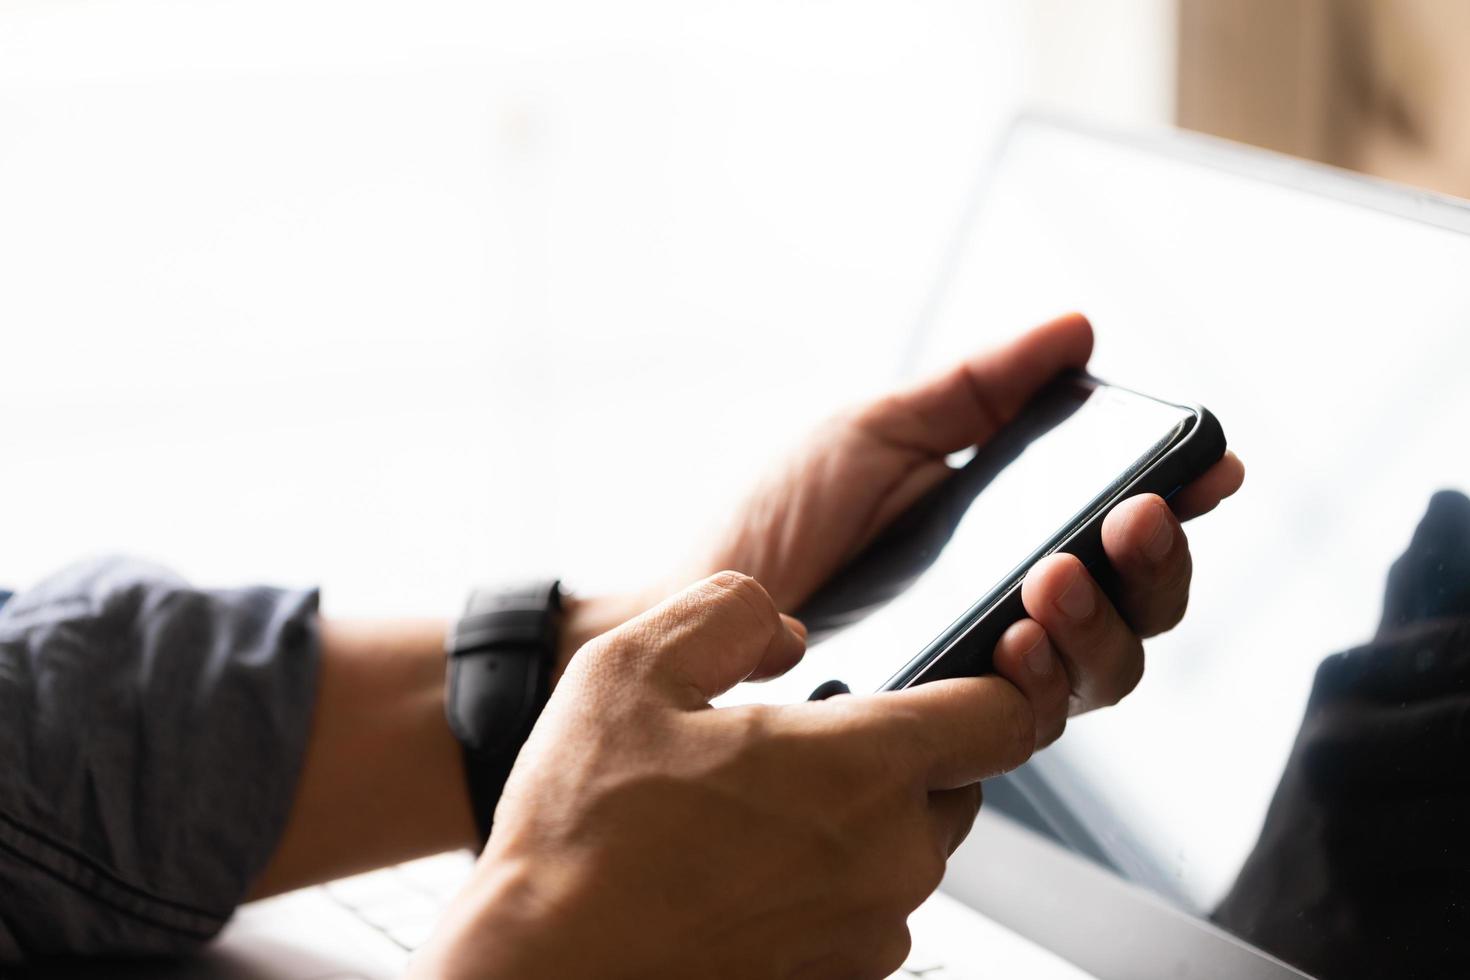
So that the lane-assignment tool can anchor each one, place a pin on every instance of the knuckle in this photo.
(1054, 733)
(923, 864)
(1180, 576)
(616, 645)
(1134, 676)
(975, 797)
(1174, 590)
(886, 754)
(891, 758)
(1175, 615)
(877, 413)
(929, 872)
(1018, 728)
(890, 952)
(731, 580)
(751, 724)
(732, 583)
(1127, 676)
(739, 590)
(1180, 589)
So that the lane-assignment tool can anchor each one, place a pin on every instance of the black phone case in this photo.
(966, 651)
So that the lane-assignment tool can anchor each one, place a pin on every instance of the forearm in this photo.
(383, 778)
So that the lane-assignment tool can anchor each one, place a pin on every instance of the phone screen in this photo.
(1068, 451)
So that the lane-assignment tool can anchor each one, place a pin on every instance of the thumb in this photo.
(952, 732)
(717, 633)
(968, 403)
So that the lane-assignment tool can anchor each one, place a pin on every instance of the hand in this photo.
(824, 505)
(860, 471)
(645, 834)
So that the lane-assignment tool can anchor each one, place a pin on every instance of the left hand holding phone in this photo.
(827, 502)
(857, 473)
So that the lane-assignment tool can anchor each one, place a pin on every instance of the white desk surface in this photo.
(305, 935)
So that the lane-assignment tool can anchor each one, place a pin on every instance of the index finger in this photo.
(966, 404)
(950, 733)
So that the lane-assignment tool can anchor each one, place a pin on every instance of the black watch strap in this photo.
(498, 679)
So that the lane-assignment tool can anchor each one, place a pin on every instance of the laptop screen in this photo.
(1294, 764)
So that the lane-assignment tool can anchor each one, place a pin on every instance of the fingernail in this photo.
(1077, 600)
(1039, 659)
(794, 625)
(1162, 537)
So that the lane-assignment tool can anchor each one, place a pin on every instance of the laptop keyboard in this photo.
(404, 902)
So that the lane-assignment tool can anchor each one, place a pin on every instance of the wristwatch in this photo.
(501, 654)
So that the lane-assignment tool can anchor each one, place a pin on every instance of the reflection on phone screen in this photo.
(1069, 447)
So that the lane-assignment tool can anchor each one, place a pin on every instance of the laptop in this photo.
(1325, 318)
(1287, 783)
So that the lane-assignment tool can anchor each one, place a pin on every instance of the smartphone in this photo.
(1043, 484)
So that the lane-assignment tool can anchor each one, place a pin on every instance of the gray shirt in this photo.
(151, 736)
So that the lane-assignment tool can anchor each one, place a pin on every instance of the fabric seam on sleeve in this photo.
(96, 882)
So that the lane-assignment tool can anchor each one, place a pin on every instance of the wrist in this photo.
(584, 618)
(506, 923)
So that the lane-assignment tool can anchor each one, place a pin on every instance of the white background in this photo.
(395, 297)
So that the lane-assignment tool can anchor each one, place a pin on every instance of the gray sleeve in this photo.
(151, 736)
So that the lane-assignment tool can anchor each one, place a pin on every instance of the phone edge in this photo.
(1197, 449)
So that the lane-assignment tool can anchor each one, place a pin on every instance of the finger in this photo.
(712, 636)
(952, 814)
(868, 947)
(1147, 549)
(858, 946)
(1024, 656)
(1213, 486)
(966, 404)
(890, 949)
(1102, 655)
(781, 657)
(947, 733)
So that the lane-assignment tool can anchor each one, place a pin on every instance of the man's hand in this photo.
(1077, 650)
(819, 509)
(645, 834)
